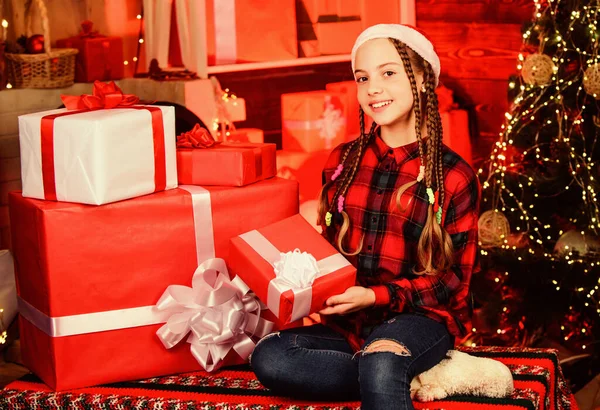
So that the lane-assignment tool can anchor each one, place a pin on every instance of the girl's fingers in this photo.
(338, 309)
(335, 300)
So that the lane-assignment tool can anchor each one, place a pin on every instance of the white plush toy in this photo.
(463, 374)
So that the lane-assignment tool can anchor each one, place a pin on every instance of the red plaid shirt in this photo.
(389, 250)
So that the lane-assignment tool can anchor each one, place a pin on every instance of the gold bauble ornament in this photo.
(591, 80)
(586, 244)
(493, 229)
(537, 69)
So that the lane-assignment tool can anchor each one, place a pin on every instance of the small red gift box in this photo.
(293, 284)
(203, 161)
(99, 58)
(89, 277)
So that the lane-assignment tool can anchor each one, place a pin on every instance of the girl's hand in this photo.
(353, 299)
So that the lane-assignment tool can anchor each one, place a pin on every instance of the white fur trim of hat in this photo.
(408, 35)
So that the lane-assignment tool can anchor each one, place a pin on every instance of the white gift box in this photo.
(99, 156)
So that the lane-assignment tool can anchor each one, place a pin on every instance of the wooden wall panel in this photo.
(486, 101)
(475, 50)
(478, 42)
(466, 11)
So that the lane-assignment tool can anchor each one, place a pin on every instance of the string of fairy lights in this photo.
(526, 107)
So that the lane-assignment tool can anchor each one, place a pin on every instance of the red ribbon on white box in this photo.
(213, 302)
(284, 282)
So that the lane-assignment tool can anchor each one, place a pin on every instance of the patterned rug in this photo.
(539, 384)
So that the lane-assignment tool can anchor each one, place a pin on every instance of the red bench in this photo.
(539, 384)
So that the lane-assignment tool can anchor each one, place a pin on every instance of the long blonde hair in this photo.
(435, 252)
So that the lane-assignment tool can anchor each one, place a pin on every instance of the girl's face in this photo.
(384, 91)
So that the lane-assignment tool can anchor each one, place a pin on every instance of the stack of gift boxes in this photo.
(134, 249)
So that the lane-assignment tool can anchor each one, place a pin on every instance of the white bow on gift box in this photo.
(296, 269)
(218, 313)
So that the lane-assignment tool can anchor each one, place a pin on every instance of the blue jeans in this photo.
(317, 363)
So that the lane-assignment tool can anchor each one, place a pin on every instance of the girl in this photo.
(403, 208)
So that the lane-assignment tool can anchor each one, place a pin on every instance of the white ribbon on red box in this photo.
(298, 277)
(220, 313)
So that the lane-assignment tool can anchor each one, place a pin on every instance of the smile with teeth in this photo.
(381, 104)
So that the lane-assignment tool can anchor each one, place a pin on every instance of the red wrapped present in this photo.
(292, 283)
(309, 11)
(203, 161)
(455, 124)
(232, 36)
(387, 11)
(99, 58)
(336, 34)
(313, 120)
(90, 276)
(335, 24)
(308, 44)
(226, 164)
(304, 167)
(102, 148)
(349, 90)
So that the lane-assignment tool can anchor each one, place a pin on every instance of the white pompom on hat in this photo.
(406, 34)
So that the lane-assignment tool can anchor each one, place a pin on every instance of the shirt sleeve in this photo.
(449, 287)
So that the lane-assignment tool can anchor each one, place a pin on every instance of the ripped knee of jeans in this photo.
(270, 335)
(386, 345)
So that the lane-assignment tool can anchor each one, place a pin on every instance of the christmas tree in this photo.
(540, 226)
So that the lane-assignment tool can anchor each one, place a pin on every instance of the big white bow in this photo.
(219, 313)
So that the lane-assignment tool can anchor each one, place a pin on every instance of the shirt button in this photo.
(387, 167)
(374, 219)
(369, 247)
(391, 152)
(379, 191)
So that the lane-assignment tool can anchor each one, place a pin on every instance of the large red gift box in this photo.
(250, 30)
(99, 58)
(108, 266)
(226, 164)
(313, 120)
(267, 260)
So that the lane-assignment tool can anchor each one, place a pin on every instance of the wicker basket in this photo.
(52, 69)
